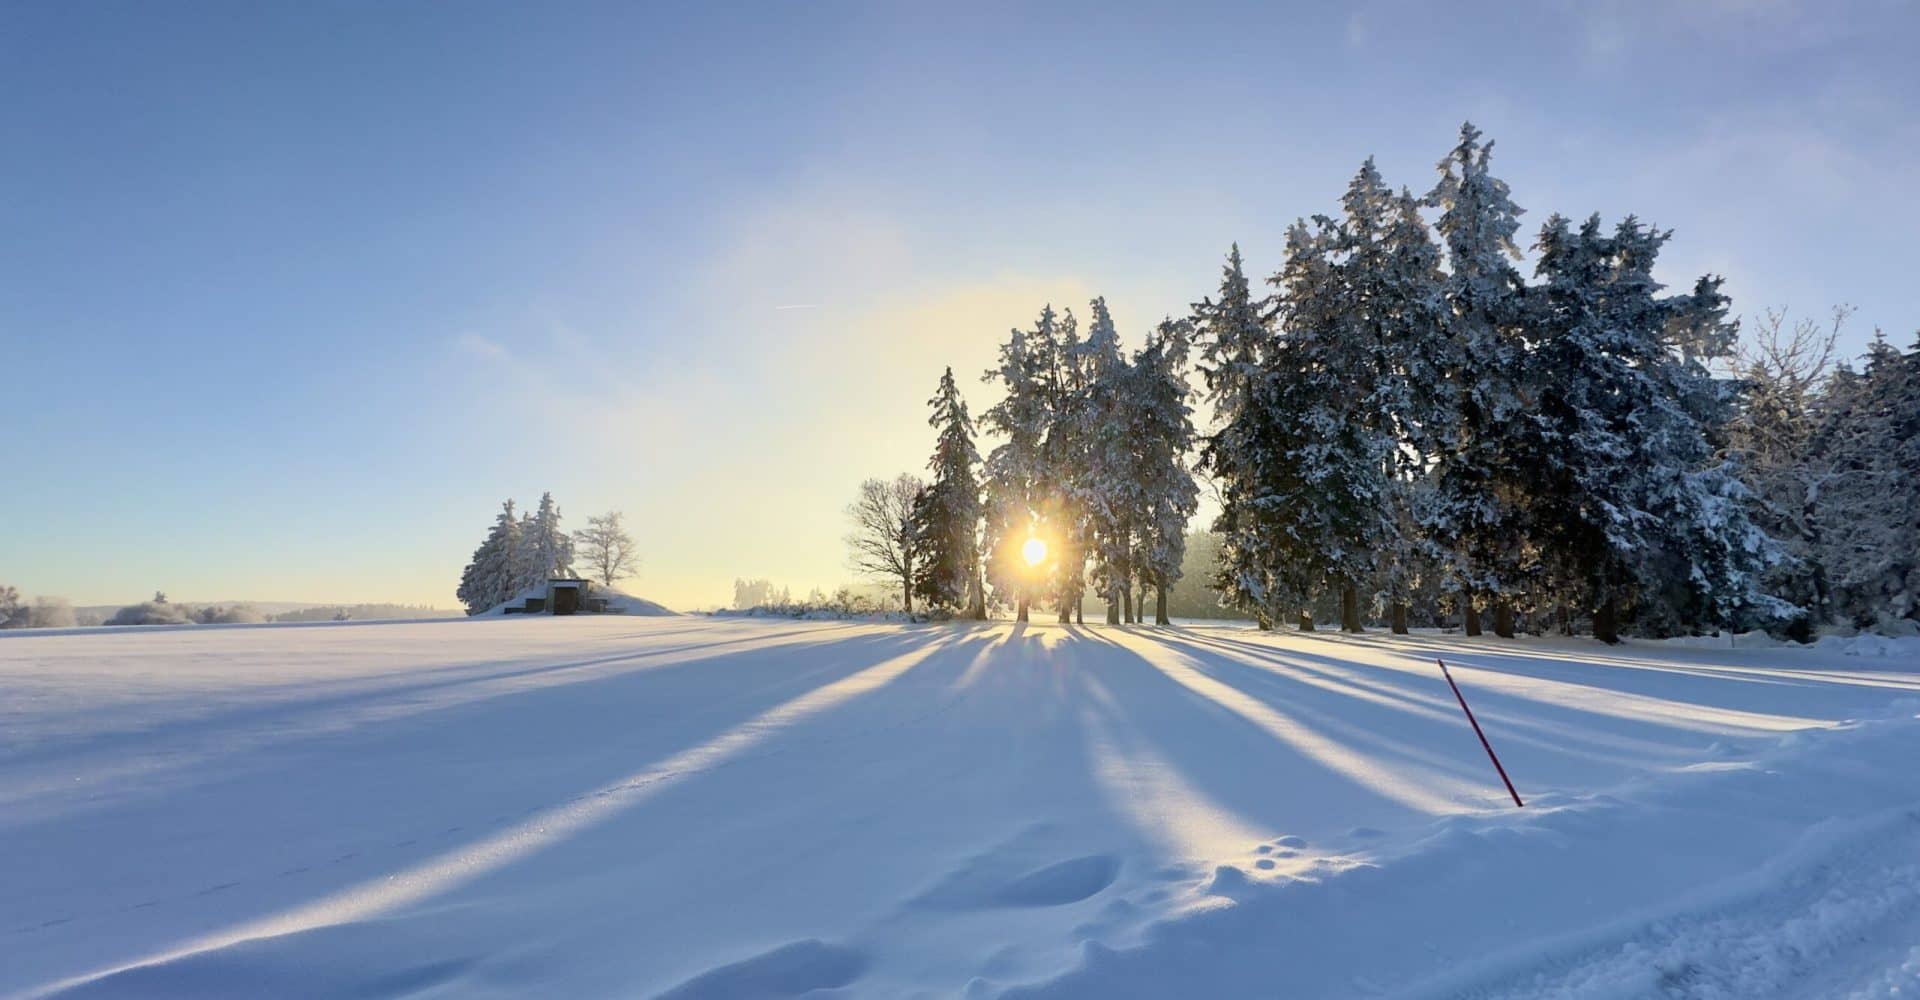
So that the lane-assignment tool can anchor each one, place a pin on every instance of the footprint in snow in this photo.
(1012, 878)
(1068, 881)
(788, 971)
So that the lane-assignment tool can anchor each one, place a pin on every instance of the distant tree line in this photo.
(161, 611)
(524, 551)
(41, 612)
(764, 597)
(57, 612)
(359, 612)
(758, 593)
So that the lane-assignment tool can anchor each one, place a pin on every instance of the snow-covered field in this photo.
(735, 808)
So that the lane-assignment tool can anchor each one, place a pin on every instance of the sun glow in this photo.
(1034, 551)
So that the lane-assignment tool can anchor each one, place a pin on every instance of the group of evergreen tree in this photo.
(1093, 464)
(1405, 417)
(1408, 429)
(519, 552)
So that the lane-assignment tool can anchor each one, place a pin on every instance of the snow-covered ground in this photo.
(714, 807)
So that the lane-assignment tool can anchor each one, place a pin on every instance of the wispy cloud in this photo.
(480, 347)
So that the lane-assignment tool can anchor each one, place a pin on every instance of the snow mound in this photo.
(623, 603)
(618, 602)
(1871, 644)
(1725, 640)
(797, 969)
(1868, 644)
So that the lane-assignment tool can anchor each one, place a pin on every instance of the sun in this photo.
(1035, 551)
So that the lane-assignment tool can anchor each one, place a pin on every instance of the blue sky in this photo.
(291, 295)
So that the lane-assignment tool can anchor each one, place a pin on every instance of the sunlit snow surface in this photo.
(700, 807)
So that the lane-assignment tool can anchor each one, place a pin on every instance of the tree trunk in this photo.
(1471, 612)
(1503, 618)
(1306, 620)
(1113, 609)
(1399, 619)
(1606, 621)
(1080, 610)
(977, 608)
(1023, 603)
(906, 597)
(1126, 607)
(1160, 603)
(1350, 609)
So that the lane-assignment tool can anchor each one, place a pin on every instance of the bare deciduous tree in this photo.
(882, 538)
(1785, 364)
(605, 548)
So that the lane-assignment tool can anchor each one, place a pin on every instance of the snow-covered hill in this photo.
(712, 807)
(619, 602)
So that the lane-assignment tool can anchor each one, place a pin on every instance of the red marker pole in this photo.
(1444, 672)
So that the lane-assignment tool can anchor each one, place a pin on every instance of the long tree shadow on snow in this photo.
(1726, 701)
(1801, 666)
(291, 705)
(1555, 731)
(1426, 725)
(374, 871)
(1246, 766)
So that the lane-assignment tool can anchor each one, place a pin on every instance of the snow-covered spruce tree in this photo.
(493, 575)
(1709, 568)
(1110, 488)
(1016, 480)
(1243, 452)
(525, 565)
(1334, 385)
(947, 513)
(1473, 515)
(1629, 502)
(1066, 447)
(1162, 431)
(1415, 401)
(1578, 443)
(548, 549)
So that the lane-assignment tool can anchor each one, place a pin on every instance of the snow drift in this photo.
(619, 602)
